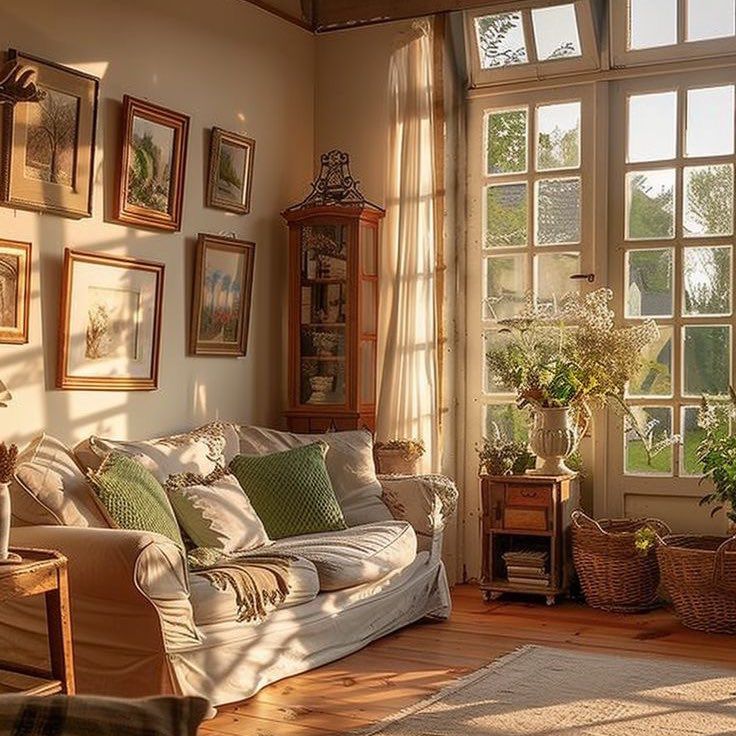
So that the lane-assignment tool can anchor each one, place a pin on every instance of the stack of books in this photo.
(527, 567)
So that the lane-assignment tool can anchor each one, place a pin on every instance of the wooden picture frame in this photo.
(48, 147)
(15, 291)
(110, 329)
(221, 298)
(150, 192)
(230, 172)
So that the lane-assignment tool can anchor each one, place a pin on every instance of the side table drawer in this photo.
(526, 519)
(524, 495)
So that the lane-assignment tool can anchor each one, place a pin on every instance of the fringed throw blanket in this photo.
(260, 581)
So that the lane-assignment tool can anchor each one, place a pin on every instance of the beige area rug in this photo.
(554, 692)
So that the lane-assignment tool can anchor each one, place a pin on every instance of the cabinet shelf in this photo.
(325, 358)
(317, 281)
(326, 325)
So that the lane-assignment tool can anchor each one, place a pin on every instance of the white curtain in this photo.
(408, 349)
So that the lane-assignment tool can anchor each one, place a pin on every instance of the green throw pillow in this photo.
(134, 499)
(290, 491)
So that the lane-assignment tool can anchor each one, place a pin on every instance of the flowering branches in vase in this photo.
(8, 457)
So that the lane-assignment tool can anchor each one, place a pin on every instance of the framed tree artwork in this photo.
(48, 146)
(150, 188)
(221, 298)
(15, 291)
(110, 332)
(230, 176)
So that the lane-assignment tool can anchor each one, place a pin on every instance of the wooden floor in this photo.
(414, 662)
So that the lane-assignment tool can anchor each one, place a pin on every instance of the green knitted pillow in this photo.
(290, 491)
(133, 498)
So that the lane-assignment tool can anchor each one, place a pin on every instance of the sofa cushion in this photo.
(133, 498)
(357, 555)
(218, 515)
(349, 461)
(290, 491)
(49, 488)
(214, 606)
(200, 452)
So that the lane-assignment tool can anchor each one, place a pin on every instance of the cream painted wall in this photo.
(225, 63)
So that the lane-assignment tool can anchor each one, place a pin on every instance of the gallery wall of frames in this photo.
(142, 253)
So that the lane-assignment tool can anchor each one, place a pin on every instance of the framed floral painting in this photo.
(152, 167)
(48, 146)
(230, 177)
(15, 291)
(110, 333)
(221, 298)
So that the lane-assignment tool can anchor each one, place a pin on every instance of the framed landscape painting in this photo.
(230, 177)
(152, 167)
(15, 291)
(223, 283)
(49, 146)
(110, 330)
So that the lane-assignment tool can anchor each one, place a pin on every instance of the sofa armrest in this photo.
(425, 501)
(122, 569)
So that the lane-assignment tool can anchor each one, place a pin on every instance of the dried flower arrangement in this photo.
(499, 455)
(8, 456)
(571, 354)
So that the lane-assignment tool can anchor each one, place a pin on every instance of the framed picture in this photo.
(153, 162)
(48, 147)
(110, 330)
(223, 283)
(15, 291)
(230, 177)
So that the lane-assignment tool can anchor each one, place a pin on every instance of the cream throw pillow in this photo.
(218, 515)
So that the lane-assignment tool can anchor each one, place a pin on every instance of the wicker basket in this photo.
(699, 574)
(614, 575)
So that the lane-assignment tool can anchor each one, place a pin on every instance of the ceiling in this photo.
(327, 15)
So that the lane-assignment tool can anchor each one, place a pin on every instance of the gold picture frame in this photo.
(221, 298)
(110, 328)
(15, 291)
(154, 134)
(48, 147)
(230, 173)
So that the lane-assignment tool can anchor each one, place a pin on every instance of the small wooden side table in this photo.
(41, 572)
(521, 511)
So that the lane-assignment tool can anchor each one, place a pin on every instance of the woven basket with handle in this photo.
(699, 573)
(614, 574)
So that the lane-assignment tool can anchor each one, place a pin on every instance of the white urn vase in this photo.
(553, 438)
(4, 522)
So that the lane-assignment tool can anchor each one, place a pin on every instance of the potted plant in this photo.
(499, 455)
(564, 360)
(399, 457)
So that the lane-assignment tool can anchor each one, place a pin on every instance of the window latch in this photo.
(589, 277)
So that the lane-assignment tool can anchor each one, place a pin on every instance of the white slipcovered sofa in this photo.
(142, 624)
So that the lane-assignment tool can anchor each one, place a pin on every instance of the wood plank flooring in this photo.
(407, 666)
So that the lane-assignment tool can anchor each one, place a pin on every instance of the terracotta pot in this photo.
(553, 438)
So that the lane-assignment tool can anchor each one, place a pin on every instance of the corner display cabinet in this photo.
(333, 303)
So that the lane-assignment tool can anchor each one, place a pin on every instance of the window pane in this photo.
(692, 436)
(558, 211)
(652, 127)
(707, 281)
(500, 40)
(507, 136)
(506, 215)
(556, 32)
(513, 422)
(707, 359)
(493, 340)
(710, 121)
(652, 23)
(505, 286)
(655, 378)
(708, 200)
(710, 19)
(650, 204)
(552, 275)
(658, 423)
(649, 283)
(558, 136)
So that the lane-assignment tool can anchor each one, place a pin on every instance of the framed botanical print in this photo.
(110, 330)
(152, 167)
(15, 291)
(48, 146)
(230, 177)
(223, 283)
